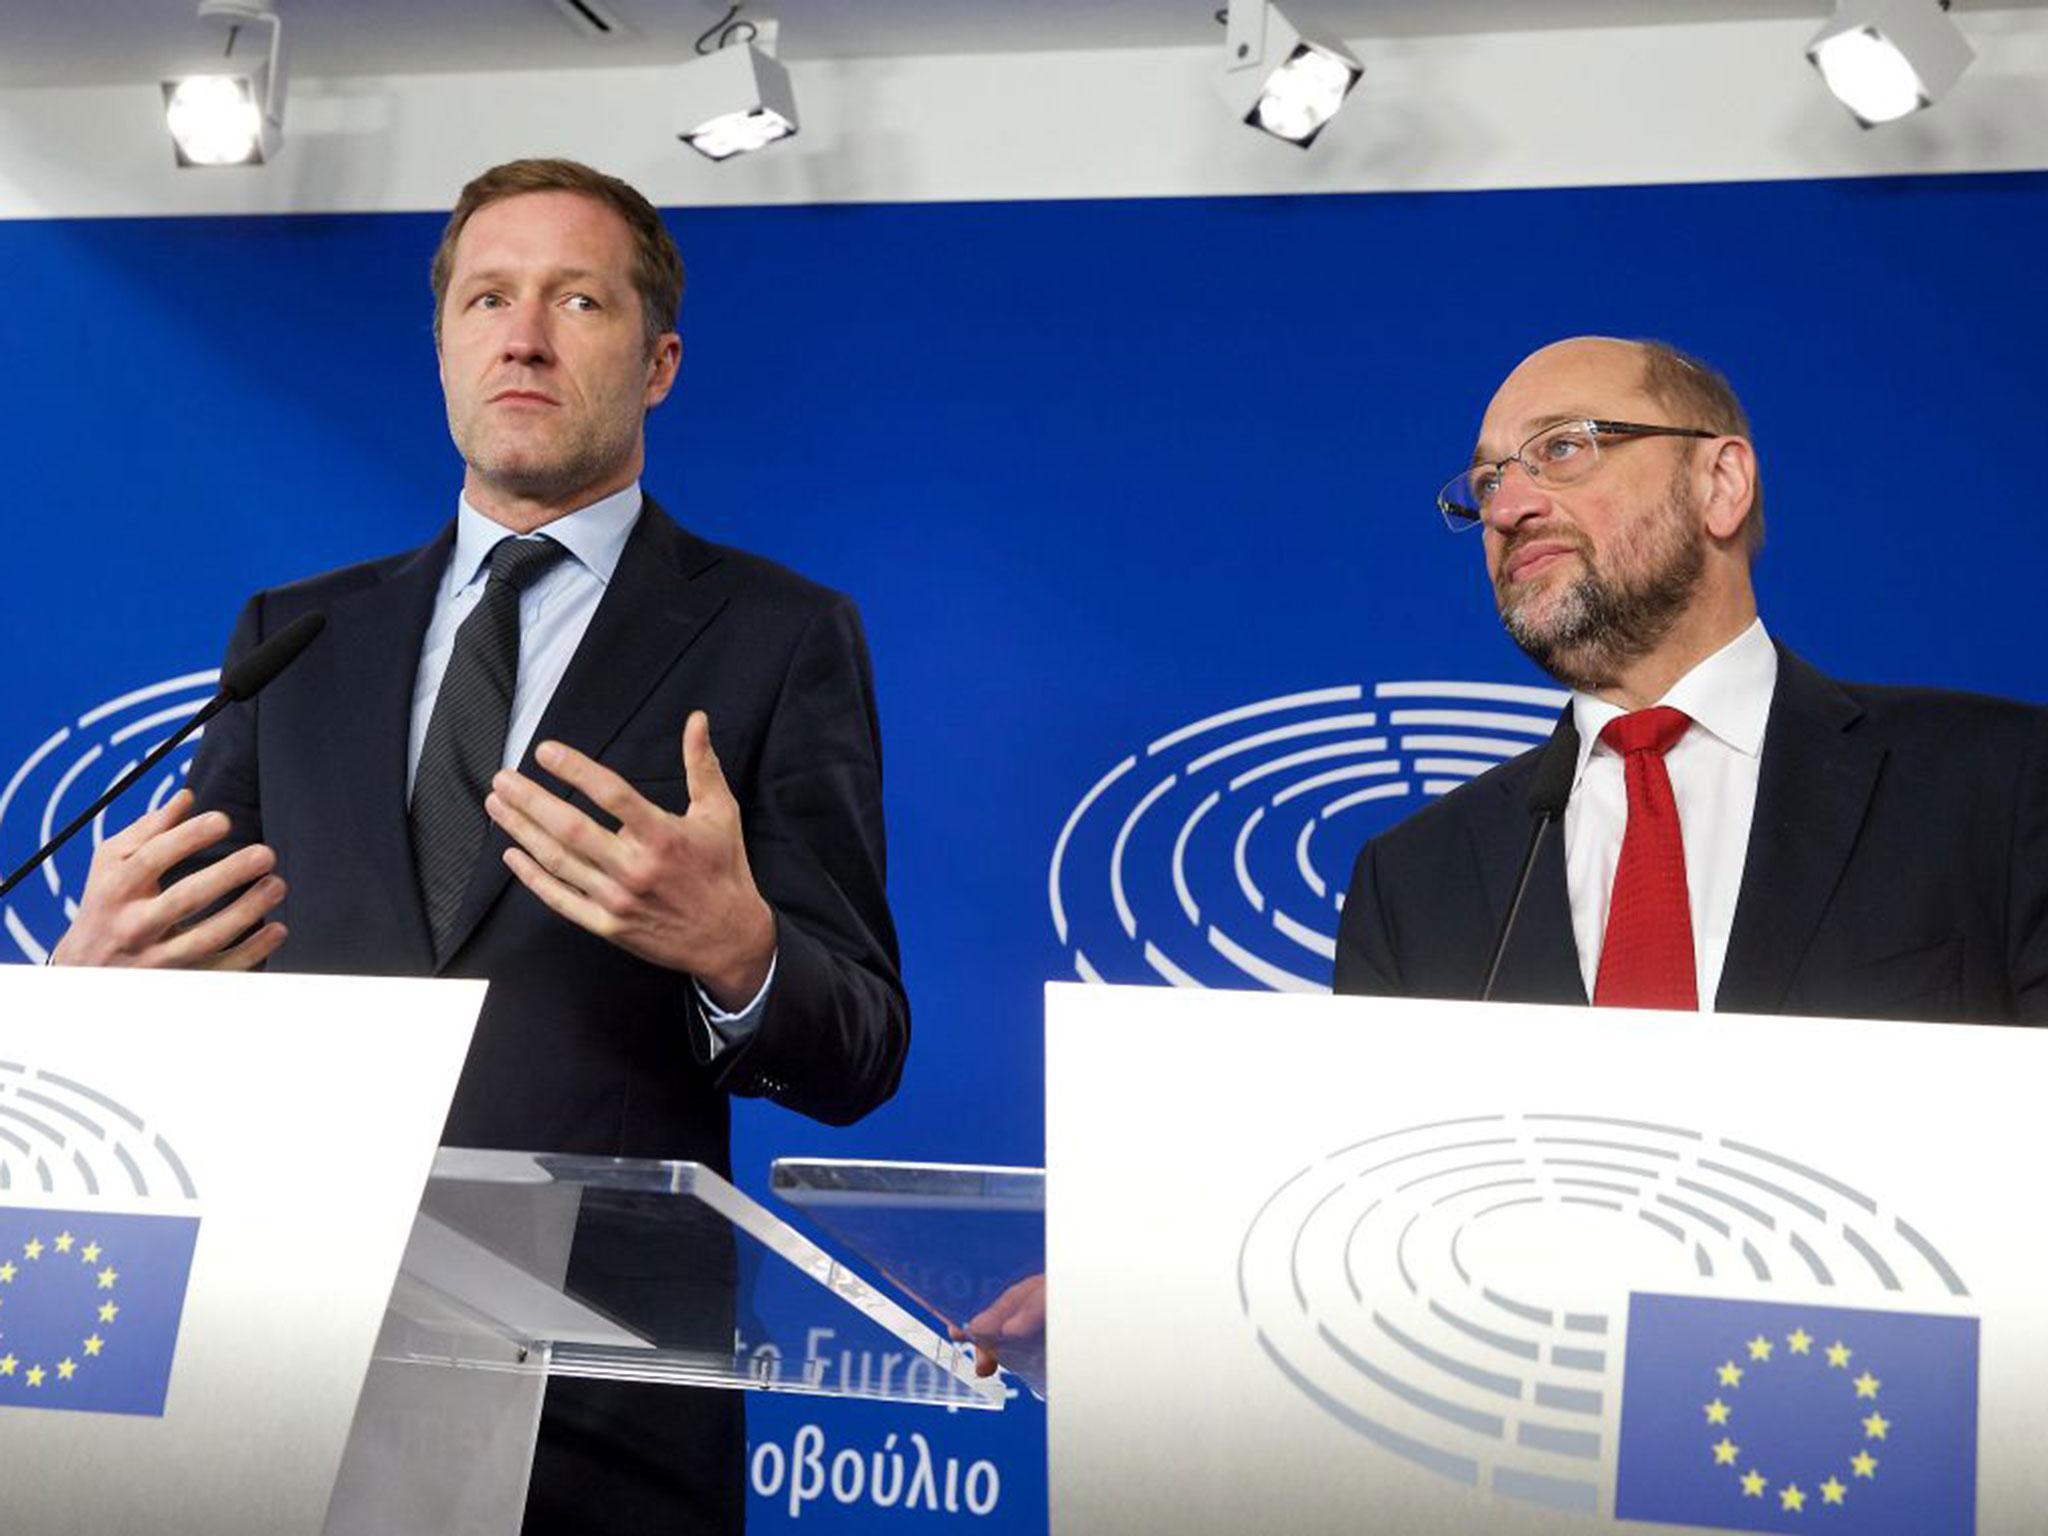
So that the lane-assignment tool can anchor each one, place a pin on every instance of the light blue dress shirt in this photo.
(554, 612)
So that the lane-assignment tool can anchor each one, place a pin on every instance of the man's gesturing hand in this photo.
(129, 917)
(675, 890)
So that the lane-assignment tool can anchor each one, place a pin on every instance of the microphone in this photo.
(240, 682)
(1550, 790)
(253, 673)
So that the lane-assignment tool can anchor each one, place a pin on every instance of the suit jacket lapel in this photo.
(380, 630)
(648, 616)
(1813, 787)
(1541, 964)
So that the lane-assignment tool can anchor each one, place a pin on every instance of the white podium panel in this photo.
(206, 1184)
(1331, 1264)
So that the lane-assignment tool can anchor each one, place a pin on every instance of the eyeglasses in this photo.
(1559, 455)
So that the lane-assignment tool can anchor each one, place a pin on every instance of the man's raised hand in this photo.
(129, 917)
(675, 890)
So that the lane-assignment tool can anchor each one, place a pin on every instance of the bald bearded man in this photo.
(1847, 850)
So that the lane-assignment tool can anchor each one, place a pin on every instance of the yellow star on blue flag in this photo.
(1893, 1450)
(90, 1323)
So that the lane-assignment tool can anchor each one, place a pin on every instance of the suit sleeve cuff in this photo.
(732, 1029)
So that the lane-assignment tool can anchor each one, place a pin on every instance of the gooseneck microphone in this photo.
(244, 680)
(1550, 790)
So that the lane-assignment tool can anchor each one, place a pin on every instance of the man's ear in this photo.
(662, 366)
(1731, 487)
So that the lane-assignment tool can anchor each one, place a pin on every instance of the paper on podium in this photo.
(452, 1264)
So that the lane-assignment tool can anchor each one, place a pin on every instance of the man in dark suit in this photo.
(1826, 848)
(499, 762)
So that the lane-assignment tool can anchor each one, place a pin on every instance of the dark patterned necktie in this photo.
(465, 742)
(1646, 960)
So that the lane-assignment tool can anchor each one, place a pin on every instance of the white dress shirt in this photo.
(1713, 771)
(554, 612)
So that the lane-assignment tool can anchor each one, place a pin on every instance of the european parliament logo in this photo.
(63, 774)
(91, 1288)
(1512, 1302)
(1763, 1416)
(1217, 854)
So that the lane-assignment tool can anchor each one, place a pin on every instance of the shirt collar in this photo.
(1728, 695)
(595, 535)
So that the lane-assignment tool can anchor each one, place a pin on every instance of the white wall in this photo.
(1702, 102)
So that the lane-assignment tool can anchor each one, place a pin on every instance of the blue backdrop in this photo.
(1094, 471)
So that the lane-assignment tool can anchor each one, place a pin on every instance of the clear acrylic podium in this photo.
(524, 1266)
(954, 1237)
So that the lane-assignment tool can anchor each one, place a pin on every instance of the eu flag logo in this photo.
(89, 1308)
(1763, 1416)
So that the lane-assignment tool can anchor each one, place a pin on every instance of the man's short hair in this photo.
(1697, 394)
(657, 264)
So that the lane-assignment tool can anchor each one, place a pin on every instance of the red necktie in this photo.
(1646, 960)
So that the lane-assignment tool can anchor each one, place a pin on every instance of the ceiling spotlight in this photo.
(232, 115)
(735, 96)
(1885, 59)
(1278, 80)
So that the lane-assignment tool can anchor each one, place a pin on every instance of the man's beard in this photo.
(1601, 623)
(579, 464)
(548, 469)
